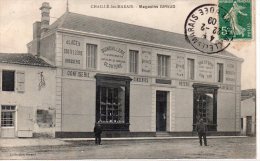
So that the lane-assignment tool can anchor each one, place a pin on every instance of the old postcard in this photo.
(127, 79)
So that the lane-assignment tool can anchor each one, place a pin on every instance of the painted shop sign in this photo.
(113, 57)
(230, 72)
(73, 49)
(75, 73)
(146, 63)
(205, 69)
(141, 79)
(184, 83)
(180, 66)
(227, 87)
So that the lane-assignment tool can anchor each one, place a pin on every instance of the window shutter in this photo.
(20, 81)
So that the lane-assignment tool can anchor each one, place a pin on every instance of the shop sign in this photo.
(180, 66)
(146, 63)
(75, 73)
(141, 79)
(227, 87)
(230, 72)
(205, 69)
(73, 49)
(184, 83)
(113, 57)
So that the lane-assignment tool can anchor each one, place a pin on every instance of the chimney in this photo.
(45, 20)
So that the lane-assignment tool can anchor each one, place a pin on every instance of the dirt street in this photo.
(220, 148)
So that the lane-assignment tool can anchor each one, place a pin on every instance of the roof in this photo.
(79, 22)
(23, 59)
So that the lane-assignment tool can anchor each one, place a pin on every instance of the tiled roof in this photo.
(23, 59)
(79, 22)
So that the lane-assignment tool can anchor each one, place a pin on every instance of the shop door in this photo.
(249, 125)
(7, 121)
(161, 108)
(25, 121)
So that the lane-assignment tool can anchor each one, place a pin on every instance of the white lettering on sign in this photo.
(180, 66)
(113, 57)
(141, 79)
(146, 62)
(230, 72)
(73, 49)
(205, 69)
(184, 83)
(75, 73)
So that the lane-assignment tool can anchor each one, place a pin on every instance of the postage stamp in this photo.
(239, 17)
(202, 30)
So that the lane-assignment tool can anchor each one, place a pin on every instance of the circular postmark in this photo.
(202, 29)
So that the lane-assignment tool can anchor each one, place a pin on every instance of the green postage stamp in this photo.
(236, 19)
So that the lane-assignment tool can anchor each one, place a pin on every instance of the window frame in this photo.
(91, 59)
(190, 69)
(5, 111)
(133, 65)
(14, 80)
(220, 72)
(163, 65)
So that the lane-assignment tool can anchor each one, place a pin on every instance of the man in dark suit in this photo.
(98, 132)
(202, 131)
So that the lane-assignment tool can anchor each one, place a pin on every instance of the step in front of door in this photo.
(162, 134)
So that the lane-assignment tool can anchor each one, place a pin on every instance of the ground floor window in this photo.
(112, 101)
(205, 105)
(7, 116)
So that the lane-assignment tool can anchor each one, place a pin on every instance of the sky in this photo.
(17, 17)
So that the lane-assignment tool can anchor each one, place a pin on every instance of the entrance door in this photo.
(7, 121)
(161, 108)
(249, 125)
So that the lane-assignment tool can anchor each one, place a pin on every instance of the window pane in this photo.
(8, 80)
(112, 107)
(133, 61)
(7, 116)
(220, 72)
(163, 65)
(191, 69)
(91, 55)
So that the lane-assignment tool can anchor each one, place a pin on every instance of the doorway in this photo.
(161, 109)
(249, 125)
(7, 121)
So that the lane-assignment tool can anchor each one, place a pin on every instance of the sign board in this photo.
(146, 62)
(73, 50)
(205, 67)
(113, 57)
(230, 72)
(180, 66)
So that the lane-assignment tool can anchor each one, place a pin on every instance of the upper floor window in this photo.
(8, 80)
(220, 72)
(190, 69)
(133, 61)
(91, 55)
(163, 65)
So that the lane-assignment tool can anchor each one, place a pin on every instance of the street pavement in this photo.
(160, 148)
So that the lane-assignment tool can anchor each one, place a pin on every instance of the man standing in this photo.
(202, 131)
(98, 131)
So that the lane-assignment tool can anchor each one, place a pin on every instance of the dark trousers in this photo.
(98, 139)
(204, 138)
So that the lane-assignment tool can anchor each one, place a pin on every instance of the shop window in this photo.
(133, 61)
(91, 55)
(7, 116)
(8, 80)
(163, 65)
(205, 105)
(112, 102)
(190, 69)
(112, 105)
(220, 72)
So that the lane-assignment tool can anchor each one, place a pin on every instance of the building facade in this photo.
(27, 104)
(133, 80)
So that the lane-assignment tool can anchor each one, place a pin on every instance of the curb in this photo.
(150, 138)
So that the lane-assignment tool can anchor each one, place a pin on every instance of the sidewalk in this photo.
(22, 142)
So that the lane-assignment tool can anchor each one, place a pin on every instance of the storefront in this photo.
(136, 81)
